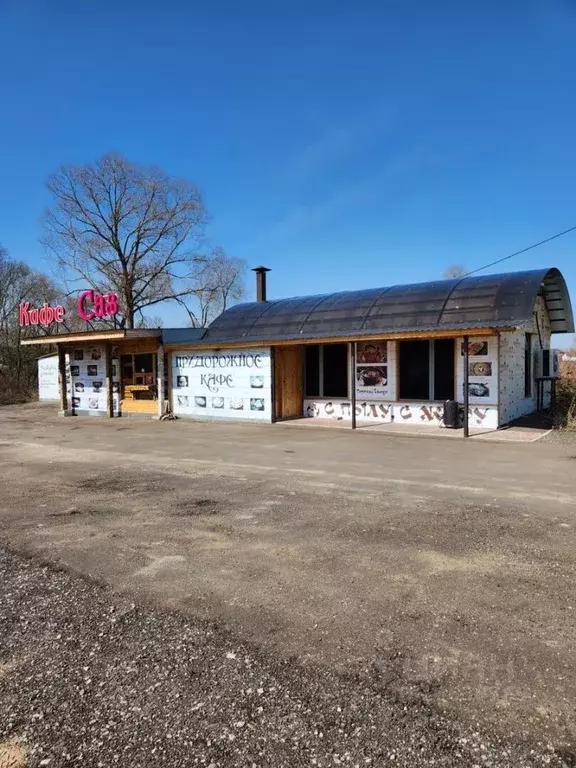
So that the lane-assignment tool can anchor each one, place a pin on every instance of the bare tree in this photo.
(215, 284)
(20, 283)
(116, 226)
(454, 271)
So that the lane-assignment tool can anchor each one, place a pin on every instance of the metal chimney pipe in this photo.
(260, 282)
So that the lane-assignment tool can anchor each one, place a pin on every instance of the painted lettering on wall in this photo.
(213, 381)
(45, 315)
(241, 360)
(397, 413)
(92, 305)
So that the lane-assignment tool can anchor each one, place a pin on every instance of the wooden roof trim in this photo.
(400, 336)
(91, 336)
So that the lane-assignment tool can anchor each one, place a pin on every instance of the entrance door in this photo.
(288, 383)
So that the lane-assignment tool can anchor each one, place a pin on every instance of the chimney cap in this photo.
(261, 269)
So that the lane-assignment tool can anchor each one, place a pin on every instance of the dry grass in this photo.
(12, 754)
(565, 410)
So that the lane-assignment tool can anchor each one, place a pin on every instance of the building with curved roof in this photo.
(390, 354)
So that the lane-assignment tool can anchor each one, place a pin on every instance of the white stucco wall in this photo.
(48, 388)
(86, 380)
(223, 384)
(513, 404)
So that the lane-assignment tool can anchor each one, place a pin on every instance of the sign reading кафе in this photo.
(90, 306)
(231, 384)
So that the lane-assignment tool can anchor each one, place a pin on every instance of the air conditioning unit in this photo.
(547, 363)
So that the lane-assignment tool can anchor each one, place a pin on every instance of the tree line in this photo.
(115, 227)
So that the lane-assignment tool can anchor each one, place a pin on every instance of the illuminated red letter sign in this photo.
(101, 305)
(44, 316)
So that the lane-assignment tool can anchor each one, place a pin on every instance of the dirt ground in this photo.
(444, 565)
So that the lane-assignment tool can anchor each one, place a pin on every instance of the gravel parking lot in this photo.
(237, 595)
(90, 679)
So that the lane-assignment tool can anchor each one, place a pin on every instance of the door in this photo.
(288, 383)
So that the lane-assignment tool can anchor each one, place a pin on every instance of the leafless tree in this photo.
(214, 284)
(116, 226)
(454, 271)
(19, 283)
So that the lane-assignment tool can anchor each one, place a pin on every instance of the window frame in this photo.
(321, 395)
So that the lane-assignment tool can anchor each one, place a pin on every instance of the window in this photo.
(426, 370)
(326, 370)
(528, 365)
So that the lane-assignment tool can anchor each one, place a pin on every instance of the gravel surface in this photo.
(89, 678)
(560, 436)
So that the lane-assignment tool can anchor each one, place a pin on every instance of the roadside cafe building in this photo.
(379, 355)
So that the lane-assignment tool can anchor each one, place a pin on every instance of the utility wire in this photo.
(517, 253)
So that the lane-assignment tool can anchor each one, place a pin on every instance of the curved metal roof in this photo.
(471, 302)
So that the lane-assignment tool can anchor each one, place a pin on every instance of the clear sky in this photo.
(342, 144)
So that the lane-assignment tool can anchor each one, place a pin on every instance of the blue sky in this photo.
(344, 145)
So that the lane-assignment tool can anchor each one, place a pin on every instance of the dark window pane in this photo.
(335, 370)
(312, 370)
(143, 363)
(545, 362)
(414, 370)
(528, 365)
(444, 369)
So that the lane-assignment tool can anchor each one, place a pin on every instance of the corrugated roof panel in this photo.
(469, 302)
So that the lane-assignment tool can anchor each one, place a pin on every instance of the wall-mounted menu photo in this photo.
(475, 348)
(78, 354)
(182, 381)
(95, 353)
(372, 376)
(74, 370)
(478, 389)
(92, 370)
(480, 369)
(372, 352)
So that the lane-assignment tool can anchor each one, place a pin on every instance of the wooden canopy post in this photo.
(160, 380)
(352, 347)
(62, 380)
(466, 392)
(109, 379)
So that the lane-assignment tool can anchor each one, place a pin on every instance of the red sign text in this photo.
(93, 305)
(46, 315)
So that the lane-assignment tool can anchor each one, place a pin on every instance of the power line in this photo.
(517, 253)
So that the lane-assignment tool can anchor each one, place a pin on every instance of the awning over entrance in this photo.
(486, 301)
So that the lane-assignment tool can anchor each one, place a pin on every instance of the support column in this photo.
(62, 380)
(352, 347)
(160, 381)
(109, 395)
(466, 393)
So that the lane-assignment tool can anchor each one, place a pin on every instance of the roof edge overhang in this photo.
(435, 333)
(91, 336)
(557, 300)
